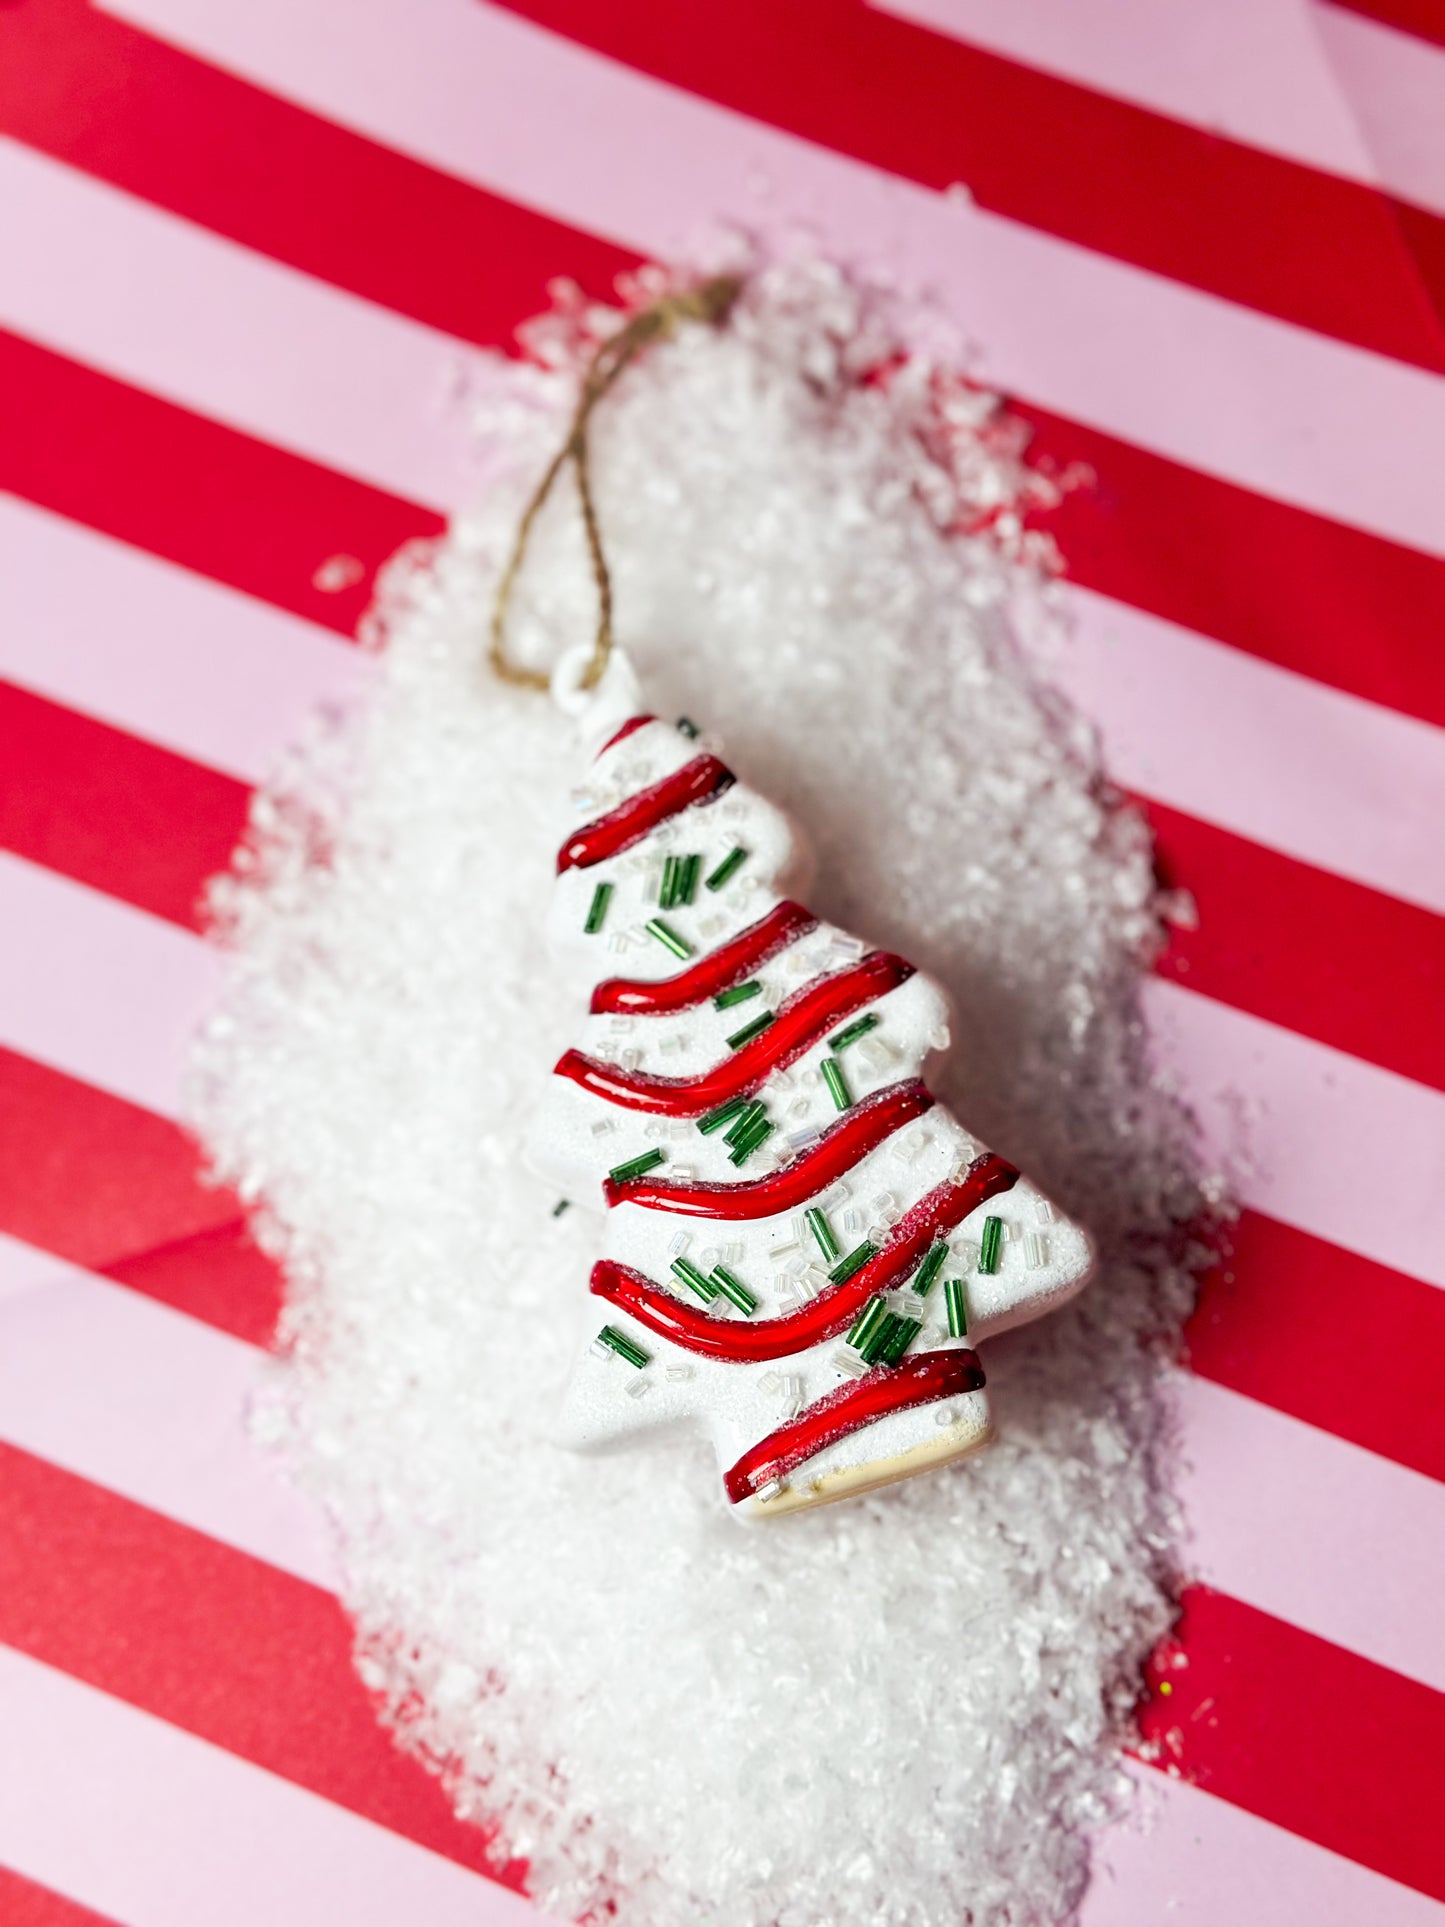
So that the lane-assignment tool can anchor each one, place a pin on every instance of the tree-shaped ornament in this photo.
(801, 1247)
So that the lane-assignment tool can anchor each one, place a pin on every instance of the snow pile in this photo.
(905, 1709)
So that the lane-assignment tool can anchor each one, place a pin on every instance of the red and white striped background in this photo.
(241, 250)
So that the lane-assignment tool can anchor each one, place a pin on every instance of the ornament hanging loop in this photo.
(708, 301)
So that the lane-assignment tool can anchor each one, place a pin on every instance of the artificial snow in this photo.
(906, 1709)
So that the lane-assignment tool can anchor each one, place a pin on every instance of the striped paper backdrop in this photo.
(243, 250)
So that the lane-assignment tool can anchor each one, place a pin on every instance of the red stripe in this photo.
(110, 1186)
(1101, 172)
(798, 1025)
(833, 1310)
(696, 783)
(119, 814)
(217, 1643)
(921, 1380)
(1321, 1742)
(205, 144)
(719, 970)
(24, 1904)
(1359, 970)
(629, 728)
(1328, 1336)
(860, 1130)
(1423, 18)
(188, 489)
(1331, 602)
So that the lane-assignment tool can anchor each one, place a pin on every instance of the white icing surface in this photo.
(580, 1136)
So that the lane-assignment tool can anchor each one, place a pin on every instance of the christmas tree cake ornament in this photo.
(802, 1248)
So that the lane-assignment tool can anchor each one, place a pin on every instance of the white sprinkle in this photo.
(680, 1244)
(770, 1490)
(943, 1415)
(602, 1126)
(852, 1219)
(1036, 1250)
(769, 1383)
(621, 1023)
(638, 1386)
(677, 1374)
(1043, 1211)
(849, 1362)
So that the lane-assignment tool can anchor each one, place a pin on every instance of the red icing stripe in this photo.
(621, 735)
(696, 782)
(832, 1310)
(856, 1133)
(918, 1381)
(719, 970)
(800, 1022)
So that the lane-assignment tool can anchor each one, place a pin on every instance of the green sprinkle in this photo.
(735, 1289)
(687, 727)
(850, 1033)
(751, 1141)
(668, 937)
(744, 1122)
(988, 1250)
(668, 884)
(823, 1232)
(855, 1261)
(638, 1167)
(873, 1316)
(750, 1031)
(695, 1279)
(955, 1300)
(559, 1207)
(597, 915)
(685, 887)
(624, 1347)
(729, 866)
(897, 1336)
(930, 1268)
(739, 994)
(837, 1084)
(724, 1114)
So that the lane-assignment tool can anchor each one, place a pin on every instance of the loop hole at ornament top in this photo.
(608, 704)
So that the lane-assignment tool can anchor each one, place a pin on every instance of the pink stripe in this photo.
(1313, 1529)
(142, 1822)
(172, 308)
(97, 989)
(157, 651)
(1395, 83)
(1185, 1859)
(1320, 775)
(1320, 1140)
(147, 1402)
(1250, 70)
(497, 101)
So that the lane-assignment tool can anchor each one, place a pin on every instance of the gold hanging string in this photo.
(709, 301)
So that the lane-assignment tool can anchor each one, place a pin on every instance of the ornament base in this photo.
(970, 1430)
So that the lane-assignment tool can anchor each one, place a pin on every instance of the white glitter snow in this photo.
(905, 1709)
